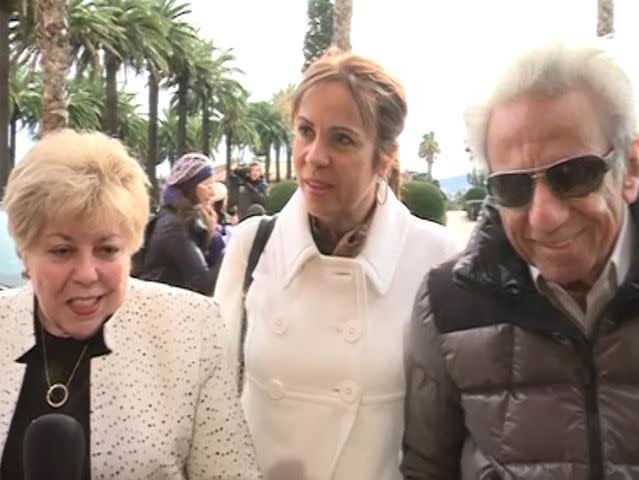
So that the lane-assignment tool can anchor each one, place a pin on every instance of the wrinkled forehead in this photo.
(535, 129)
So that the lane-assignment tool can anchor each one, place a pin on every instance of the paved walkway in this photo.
(460, 224)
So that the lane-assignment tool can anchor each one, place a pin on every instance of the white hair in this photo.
(553, 70)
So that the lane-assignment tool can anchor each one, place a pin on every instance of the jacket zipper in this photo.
(593, 423)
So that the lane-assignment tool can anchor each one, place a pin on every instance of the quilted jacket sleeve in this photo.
(434, 429)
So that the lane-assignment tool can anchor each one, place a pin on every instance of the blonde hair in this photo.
(379, 96)
(72, 175)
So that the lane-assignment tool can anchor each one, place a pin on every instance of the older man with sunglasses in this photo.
(522, 356)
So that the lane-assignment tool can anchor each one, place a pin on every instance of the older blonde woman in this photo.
(137, 364)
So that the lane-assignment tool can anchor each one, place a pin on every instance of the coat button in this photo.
(278, 325)
(352, 332)
(349, 391)
(275, 389)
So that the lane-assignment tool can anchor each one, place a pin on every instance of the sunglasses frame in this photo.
(539, 172)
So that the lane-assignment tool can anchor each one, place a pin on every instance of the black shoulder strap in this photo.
(262, 235)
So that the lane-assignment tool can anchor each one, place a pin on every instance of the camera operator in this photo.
(253, 189)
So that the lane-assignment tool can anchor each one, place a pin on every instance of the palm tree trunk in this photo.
(342, 15)
(206, 125)
(277, 162)
(111, 102)
(13, 130)
(289, 161)
(5, 162)
(53, 41)
(605, 17)
(152, 160)
(229, 148)
(267, 164)
(183, 90)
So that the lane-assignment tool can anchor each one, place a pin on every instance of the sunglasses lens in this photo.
(577, 177)
(511, 189)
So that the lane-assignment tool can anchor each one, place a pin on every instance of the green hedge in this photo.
(475, 193)
(424, 200)
(278, 195)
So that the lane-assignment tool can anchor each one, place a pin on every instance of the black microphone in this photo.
(53, 448)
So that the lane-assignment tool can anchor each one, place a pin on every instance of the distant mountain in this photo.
(452, 185)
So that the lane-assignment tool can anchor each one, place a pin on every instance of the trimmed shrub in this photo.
(279, 194)
(473, 200)
(475, 193)
(424, 200)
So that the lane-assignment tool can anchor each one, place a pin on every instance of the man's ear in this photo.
(630, 183)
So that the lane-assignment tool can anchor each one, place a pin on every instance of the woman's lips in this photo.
(85, 306)
(317, 185)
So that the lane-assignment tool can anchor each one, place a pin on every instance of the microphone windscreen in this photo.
(54, 448)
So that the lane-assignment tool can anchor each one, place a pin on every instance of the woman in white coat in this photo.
(136, 366)
(323, 386)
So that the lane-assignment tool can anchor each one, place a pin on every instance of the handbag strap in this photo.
(262, 235)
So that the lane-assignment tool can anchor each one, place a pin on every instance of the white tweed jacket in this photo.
(162, 404)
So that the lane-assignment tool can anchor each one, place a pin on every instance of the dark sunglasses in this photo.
(568, 178)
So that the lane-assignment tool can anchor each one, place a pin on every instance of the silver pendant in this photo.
(54, 391)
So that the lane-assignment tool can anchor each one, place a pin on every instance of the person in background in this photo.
(253, 191)
(522, 353)
(184, 248)
(225, 222)
(138, 365)
(323, 383)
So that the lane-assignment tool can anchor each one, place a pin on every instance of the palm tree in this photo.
(168, 134)
(180, 36)
(25, 101)
(605, 18)
(282, 101)
(233, 110)
(145, 41)
(52, 27)
(342, 15)
(428, 150)
(5, 161)
(261, 117)
(220, 71)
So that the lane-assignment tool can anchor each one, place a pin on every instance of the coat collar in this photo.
(379, 257)
(22, 328)
(490, 262)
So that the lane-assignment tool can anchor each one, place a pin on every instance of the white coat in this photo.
(324, 386)
(162, 405)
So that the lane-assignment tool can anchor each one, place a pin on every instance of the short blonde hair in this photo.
(68, 175)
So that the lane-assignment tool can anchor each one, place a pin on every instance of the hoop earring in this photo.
(382, 191)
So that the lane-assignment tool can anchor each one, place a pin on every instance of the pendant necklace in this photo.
(58, 393)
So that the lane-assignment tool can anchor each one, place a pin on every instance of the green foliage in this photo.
(279, 194)
(424, 200)
(477, 177)
(428, 150)
(320, 30)
(473, 199)
(475, 193)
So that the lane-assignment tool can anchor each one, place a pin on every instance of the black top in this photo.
(62, 355)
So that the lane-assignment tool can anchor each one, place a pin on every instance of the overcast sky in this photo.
(445, 52)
